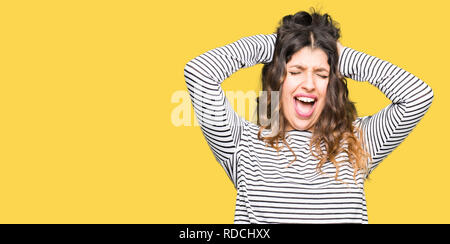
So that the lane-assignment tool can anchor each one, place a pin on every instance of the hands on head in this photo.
(339, 47)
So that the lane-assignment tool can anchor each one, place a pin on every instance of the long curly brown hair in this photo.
(334, 132)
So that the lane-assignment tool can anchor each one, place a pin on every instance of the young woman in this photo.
(307, 162)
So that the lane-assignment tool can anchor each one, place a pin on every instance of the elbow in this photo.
(429, 94)
(187, 67)
(188, 64)
(187, 71)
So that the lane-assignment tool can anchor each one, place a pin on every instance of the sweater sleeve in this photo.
(219, 123)
(410, 97)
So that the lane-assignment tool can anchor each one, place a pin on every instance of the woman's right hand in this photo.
(339, 47)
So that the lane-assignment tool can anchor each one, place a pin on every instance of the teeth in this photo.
(305, 99)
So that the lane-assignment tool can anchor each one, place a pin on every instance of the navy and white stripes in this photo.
(410, 97)
(267, 191)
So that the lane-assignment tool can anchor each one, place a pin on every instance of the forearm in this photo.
(410, 96)
(220, 124)
(397, 84)
(220, 63)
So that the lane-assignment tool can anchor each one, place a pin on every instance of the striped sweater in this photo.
(267, 190)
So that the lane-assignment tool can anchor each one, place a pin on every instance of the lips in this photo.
(305, 105)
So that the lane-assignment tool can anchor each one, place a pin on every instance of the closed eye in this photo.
(297, 73)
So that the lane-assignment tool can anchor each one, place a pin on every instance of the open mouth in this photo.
(305, 105)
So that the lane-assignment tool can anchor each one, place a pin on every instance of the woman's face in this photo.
(305, 88)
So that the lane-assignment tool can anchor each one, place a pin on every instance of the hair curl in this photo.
(334, 132)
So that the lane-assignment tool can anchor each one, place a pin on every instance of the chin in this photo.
(299, 124)
(304, 127)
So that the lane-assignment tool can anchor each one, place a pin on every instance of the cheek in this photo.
(286, 99)
(287, 89)
(322, 88)
(289, 85)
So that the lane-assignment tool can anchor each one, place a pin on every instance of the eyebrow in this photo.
(318, 69)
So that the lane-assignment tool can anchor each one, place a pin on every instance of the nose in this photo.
(308, 82)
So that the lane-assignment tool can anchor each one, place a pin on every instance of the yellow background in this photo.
(85, 105)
